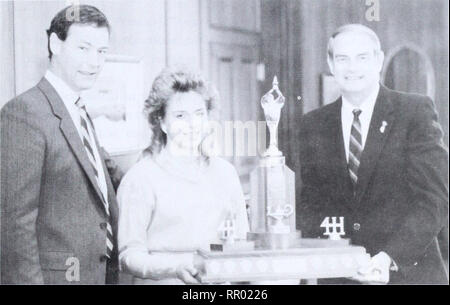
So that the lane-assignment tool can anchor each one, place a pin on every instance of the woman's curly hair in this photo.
(170, 81)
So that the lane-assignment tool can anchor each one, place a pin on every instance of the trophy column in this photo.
(272, 206)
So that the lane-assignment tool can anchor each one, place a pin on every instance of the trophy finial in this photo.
(272, 102)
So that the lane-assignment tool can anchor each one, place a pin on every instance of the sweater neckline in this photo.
(178, 167)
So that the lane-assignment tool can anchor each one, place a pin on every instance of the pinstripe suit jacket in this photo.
(53, 219)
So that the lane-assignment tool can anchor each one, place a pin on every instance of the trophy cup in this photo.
(278, 215)
(273, 186)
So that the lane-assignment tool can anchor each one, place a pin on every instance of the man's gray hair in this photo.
(356, 28)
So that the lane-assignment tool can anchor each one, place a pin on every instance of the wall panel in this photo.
(138, 29)
(7, 69)
(183, 33)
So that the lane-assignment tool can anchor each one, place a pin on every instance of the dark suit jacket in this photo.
(401, 200)
(51, 205)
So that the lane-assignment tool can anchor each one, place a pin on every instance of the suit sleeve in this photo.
(22, 159)
(309, 207)
(427, 176)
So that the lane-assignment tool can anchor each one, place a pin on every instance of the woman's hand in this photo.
(187, 274)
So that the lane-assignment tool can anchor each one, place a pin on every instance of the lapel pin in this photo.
(383, 126)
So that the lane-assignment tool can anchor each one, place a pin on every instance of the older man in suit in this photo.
(59, 212)
(376, 157)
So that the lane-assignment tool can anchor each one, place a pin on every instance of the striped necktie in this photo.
(355, 147)
(87, 142)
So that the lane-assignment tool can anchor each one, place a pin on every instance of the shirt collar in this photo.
(366, 106)
(68, 96)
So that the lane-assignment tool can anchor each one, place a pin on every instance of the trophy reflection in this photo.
(272, 102)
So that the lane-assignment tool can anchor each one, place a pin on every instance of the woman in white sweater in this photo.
(175, 199)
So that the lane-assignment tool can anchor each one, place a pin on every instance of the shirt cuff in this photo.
(393, 267)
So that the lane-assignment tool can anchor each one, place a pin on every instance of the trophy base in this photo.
(267, 240)
(315, 260)
(237, 245)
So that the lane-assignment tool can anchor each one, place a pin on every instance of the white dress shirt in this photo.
(69, 98)
(366, 108)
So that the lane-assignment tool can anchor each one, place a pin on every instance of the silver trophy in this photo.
(272, 102)
(272, 186)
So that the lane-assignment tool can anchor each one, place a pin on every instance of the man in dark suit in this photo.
(59, 212)
(376, 157)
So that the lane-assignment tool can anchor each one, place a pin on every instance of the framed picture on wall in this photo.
(329, 89)
(116, 104)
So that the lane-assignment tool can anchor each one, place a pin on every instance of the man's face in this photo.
(80, 58)
(355, 64)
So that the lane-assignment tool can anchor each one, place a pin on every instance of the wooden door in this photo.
(234, 45)
(234, 72)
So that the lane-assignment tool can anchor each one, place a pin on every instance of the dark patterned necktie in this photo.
(355, 147)
(87, 142)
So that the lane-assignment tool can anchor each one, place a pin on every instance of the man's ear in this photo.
(330, 65)
(55, 43)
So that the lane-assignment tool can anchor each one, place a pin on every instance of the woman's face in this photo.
(185, 121)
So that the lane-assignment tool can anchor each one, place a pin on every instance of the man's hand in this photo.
(377, 271)
(188, 274)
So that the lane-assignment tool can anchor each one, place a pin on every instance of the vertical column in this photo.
(7, 68)
(183, 26)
